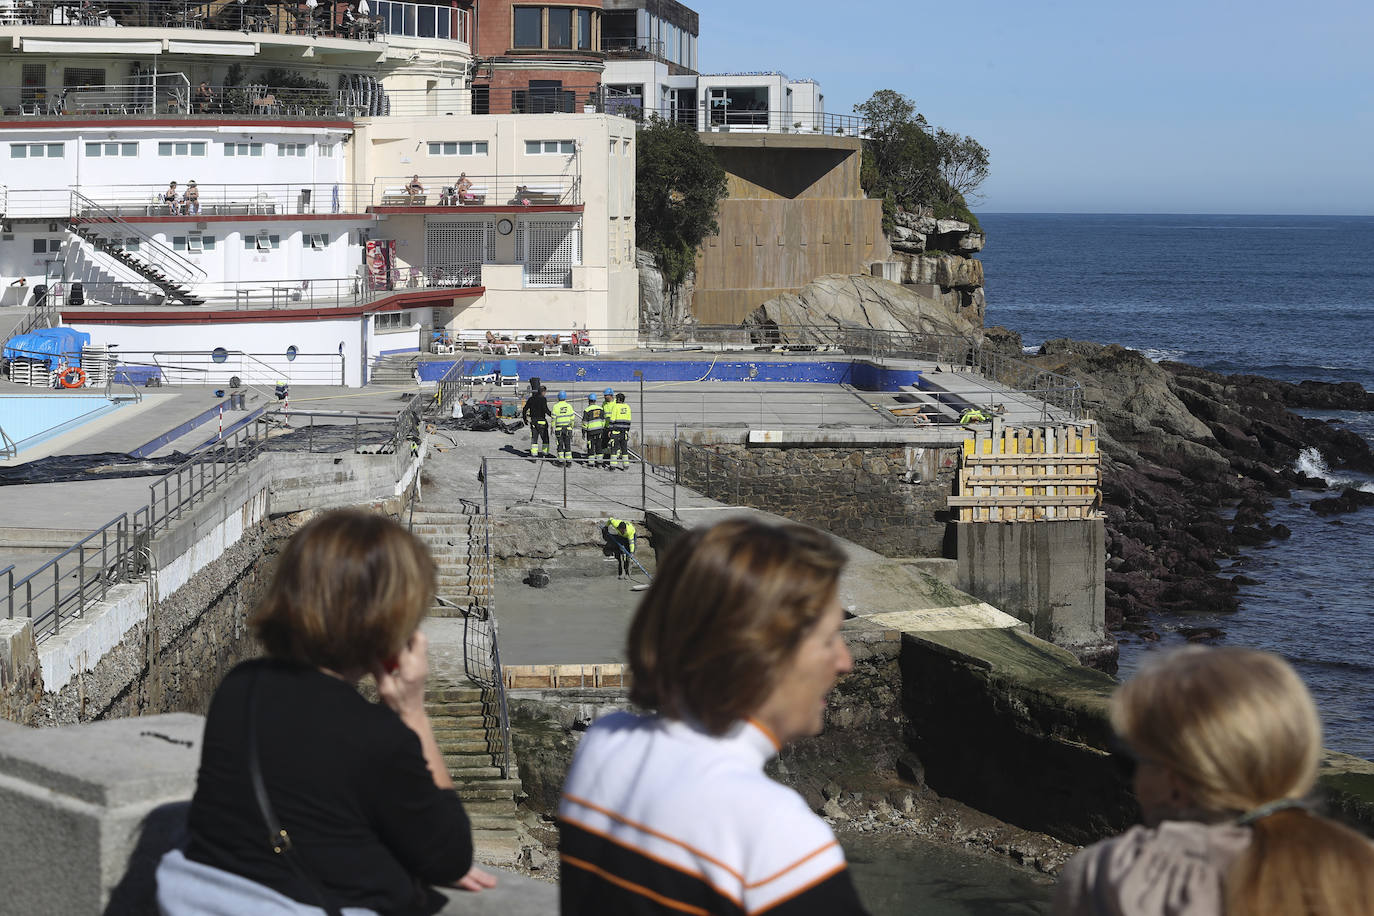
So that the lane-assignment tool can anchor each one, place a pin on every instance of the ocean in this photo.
(1288, 297)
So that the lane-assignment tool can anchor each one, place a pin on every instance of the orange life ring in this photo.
(65, 377)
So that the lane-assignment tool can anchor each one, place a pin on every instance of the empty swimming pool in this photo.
(30, 419)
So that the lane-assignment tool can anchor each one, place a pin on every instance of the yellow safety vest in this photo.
(593, 418)
(614, 525)
(563, 414)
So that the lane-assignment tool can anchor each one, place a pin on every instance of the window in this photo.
(261, 242)
(44, 246)
(107, 150)
(131, 245)
(458, 148)
(584, 30)
(243, 149)
(550, 147)
(195, 243)
(390, 321)
(180, 148)
(326, 150)
(549, 249)
(529, 27)
(37, 150)
(560, 28)
(317, 240)
(291, 149)
(82, 76)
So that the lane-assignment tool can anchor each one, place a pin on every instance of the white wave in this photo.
(1155, 354)
(1311, 463)
(1030, 349)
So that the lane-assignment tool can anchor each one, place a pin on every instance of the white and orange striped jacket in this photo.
(658, 817)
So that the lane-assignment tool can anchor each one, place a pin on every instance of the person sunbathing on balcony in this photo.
(415, 190)
(464, 188)
(205, 99)
(191, 199)
(169, 199)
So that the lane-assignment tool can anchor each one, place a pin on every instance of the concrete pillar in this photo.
(1052, 575)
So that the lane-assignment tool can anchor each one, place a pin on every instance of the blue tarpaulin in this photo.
(51, 344)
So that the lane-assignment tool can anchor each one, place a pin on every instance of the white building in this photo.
(305, 228)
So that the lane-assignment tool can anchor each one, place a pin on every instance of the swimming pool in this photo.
(30, 419)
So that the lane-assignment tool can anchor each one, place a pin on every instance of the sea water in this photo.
(1288, 297)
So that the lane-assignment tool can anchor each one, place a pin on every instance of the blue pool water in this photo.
(29, 419)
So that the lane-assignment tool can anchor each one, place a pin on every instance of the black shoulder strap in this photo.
(277, 837)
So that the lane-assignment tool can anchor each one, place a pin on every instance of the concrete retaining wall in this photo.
(858, 491)
(1049, 574)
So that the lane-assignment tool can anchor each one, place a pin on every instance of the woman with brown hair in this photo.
(1226, 744)
(734, 649)
(310, 797)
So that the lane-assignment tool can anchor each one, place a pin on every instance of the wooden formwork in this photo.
(609, 675)
(1029, 474)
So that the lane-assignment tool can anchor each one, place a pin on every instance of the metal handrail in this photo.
(8, 449)
(489, 575)
(85, 211)
(109, 570)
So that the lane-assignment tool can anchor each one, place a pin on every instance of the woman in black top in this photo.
(361, 788)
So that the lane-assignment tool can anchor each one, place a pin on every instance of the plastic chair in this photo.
(510, 375)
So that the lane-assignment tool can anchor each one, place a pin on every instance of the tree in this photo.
(963, 164)
(678, 188)
(907, 163)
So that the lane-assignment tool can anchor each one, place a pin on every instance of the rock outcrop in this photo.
(856, 301)
(1182, 447)
(935, 255)
(663, 310)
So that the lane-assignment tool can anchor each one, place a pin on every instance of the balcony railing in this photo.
(725, 119)
(330, 20)
(291, 198)
(277, 199)
(480, 190)
(172, 94)
(637, 47)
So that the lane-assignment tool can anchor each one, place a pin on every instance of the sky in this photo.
(1101, 107)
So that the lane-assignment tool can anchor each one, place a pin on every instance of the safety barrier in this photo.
(1042, 473)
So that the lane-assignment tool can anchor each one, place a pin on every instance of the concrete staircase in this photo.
(467, 728)
(394, 370)
(466, 717)
(451, 537)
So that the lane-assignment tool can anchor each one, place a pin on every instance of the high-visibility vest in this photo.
(620, 419)
(563, 415)
(593, 418)
(614, 525)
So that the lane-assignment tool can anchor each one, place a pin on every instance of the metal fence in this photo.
(65, 586)
(721, 119)
(224, 367)
(448, 190)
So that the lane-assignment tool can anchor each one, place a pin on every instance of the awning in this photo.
(221, 48)
(65, 46)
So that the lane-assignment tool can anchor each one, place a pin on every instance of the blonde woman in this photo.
(1226, 744)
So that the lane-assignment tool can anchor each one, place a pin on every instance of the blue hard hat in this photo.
(592, 396)
(562, 395)
(608, 392)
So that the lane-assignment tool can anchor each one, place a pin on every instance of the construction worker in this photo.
(608, 410)
(536, 413)
(973, 415)
(621, 534)
(620, 433)
(563, 418)
(594, 429)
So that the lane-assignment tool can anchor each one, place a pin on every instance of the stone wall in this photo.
(859, 493)
(170, 662)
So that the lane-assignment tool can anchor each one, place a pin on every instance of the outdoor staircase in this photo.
(451, 538)
(466, 717)
(467, 728)
(394, 370)
(170, 288)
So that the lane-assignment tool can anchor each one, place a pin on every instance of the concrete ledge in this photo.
(86, 812)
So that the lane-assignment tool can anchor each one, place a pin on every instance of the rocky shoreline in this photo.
(1193, 461)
